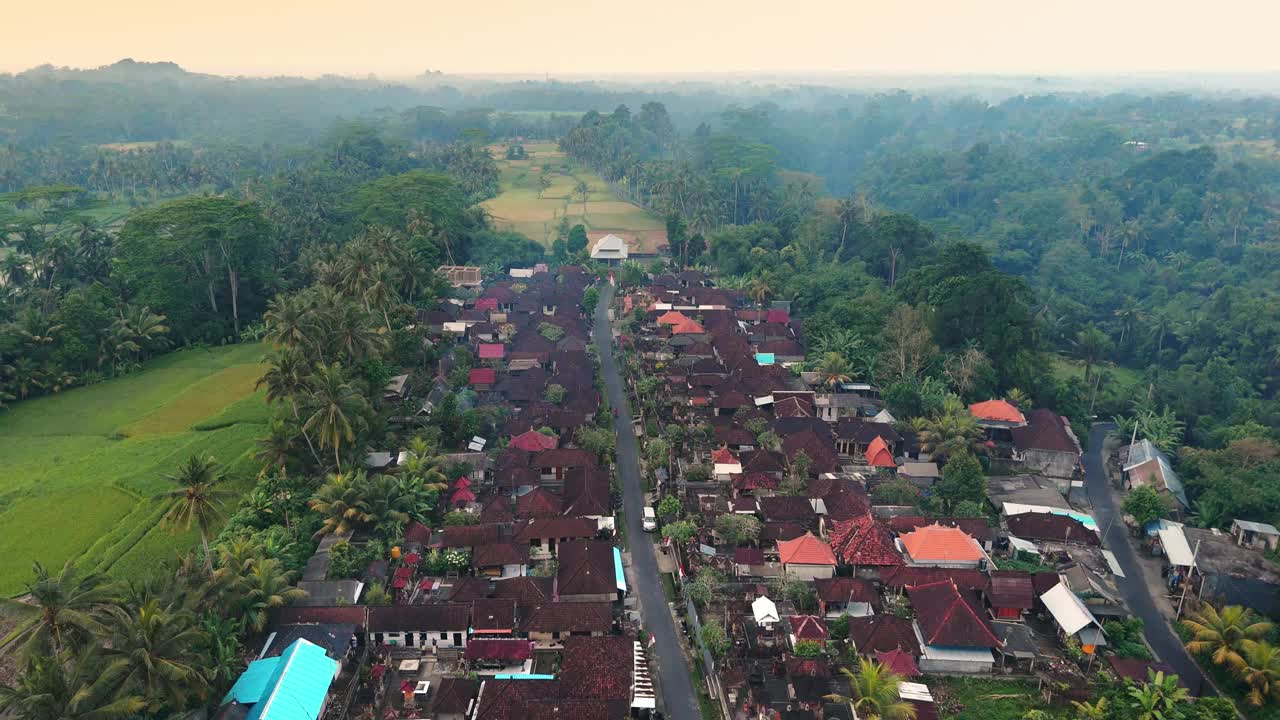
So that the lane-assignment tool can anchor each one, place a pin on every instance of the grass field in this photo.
(83, 469)
(519, 208)
(983, 699)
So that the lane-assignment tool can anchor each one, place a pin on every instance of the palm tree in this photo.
(289, 378)
(266, 586)
(198, 499)
(340, 501)
(1223, 633)
(759, 289)
(1092, 344)
(275, 449)
(953, 430)
(1159, 697)
(582, 190)
(156, 653)
(290, 322)
(387, 503)
(63, 612)
(873, 693)
(68, 687)
(833, 369)
(351, 331)
(336, 409)
(1261, 671)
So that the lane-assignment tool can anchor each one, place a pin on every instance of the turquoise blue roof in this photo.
(524, 676)
(619, 577)
(290, 687)
(764, 358)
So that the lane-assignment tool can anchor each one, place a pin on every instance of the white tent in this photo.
(765, 610)
(1067, 609)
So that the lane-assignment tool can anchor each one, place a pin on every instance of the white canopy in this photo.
(765, 610)
(1067, 609)
(1175, 545)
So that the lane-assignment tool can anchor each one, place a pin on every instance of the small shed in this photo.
(1256, 535)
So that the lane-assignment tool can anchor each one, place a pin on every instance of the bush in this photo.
(810, 648)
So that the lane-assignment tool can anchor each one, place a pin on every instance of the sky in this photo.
(652, 37)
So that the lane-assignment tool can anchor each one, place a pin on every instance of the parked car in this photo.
(650, 519)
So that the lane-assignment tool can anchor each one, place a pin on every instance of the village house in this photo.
(435, 626)
(806, 558)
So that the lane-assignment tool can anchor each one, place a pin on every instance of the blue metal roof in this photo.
(290, 687)
(765, 358)
(618, 576)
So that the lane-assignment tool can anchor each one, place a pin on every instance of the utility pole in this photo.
(1187, 581)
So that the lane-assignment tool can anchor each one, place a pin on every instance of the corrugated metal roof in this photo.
(292, 686)
(1257, 527)
(1175, 545)
(1067, 609)
(1143, 451)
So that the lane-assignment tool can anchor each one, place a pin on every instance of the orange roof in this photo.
(723, 456)
(671, 317)
(878, 454)
(940, 542)
(997, 410)
(806, 550)
(688, 327)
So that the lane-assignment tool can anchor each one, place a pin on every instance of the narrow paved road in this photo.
(1132, 586)
(669, 661)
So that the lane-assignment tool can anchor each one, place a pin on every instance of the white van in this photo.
(650, 519)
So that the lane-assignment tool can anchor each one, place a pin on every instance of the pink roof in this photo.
(808, 627)
(487, 303)
(463, 496)
(482, 376)
(997, 411)
(462, 482)
(723, 456)
(492, 351)
(412, 559)
(878, 454)
(776, 316)
(899, 662)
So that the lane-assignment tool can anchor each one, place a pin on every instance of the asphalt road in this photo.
(669, 662)
(1134, 589)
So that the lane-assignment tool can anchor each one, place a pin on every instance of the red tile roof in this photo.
(754, 481)
(508, 650)
(808, 627)
(538, 503)
(805, 550)
(586, 568)
(416, 532)
(487, 303)
(462, 496)
(882, 633)
(534, 441)
(945, 618)
(723, 456)
(997, 411)
(776, 316)
(496, 554)
(672, 317)
(688, 327)
(492, 351)
(1012, 589)
(864, 541)
(482, 376)
(505, 699)
(940, 543)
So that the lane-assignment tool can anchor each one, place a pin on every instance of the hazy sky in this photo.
(402, 37)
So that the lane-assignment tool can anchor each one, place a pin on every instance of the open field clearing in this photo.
(519, 207)
(83, 469)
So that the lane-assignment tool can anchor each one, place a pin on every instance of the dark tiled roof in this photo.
(509, 650)
(1045, 430)
(419, 618)
(908, 576)
(586, 568)
(416, 532)
(597, 668)
(566, 709)
(568, 617)
(1048, 526)
(496, 554)
(809, 627)
(1011, 589)
(506, 699)
(465, 536)
(788, 508)
(846, 589)
(554, 527)
(329, 614)
(538, 503)
(882, 633)
(563, 457)
(524, 590)
(454, 696)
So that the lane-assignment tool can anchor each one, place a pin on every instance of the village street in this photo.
(1138, 594)
(668, 660)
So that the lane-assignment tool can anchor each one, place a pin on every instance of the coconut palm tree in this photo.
(954, 429)
(197, 499)
(1261, 672)
(340, 501)
(387, 503)
(156, 653)
(291, 322)
(62, 612)
(873, 693)
(352, 331)
(759, 289)
(70, 686)
(266, 586)
(833, 369)
(336, 409)
(1223, 633)
(582, 190)
(275, 449)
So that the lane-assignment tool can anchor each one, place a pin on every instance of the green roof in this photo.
(290, 687)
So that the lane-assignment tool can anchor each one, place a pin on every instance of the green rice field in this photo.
(83, 469)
